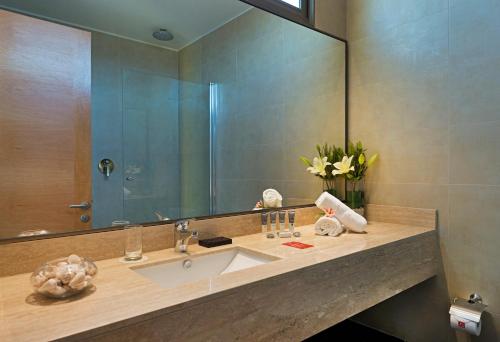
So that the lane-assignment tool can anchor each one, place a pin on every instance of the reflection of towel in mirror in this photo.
(330, 226)
(272, 198)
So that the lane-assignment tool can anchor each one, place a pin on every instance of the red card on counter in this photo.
(298, 245)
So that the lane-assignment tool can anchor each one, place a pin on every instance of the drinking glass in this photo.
(133, 242)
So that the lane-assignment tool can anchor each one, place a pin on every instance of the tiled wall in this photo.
(425, 85)
(135, 124)
(330, 16)
(281, 91)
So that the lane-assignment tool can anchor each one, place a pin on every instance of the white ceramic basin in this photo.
(171, 274)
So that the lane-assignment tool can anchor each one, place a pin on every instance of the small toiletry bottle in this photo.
(272, 214)
(281, 215)
(291, 221)
(263, 218)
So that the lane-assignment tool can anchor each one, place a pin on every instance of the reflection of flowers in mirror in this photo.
(322, 166)
(319, 166)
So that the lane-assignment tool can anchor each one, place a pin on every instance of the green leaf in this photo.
(372, 159)
(359, 146)
(306, 161)
(350, 149)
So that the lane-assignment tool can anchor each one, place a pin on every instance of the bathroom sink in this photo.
(171, 274)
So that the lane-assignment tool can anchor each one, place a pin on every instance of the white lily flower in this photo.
(319, 165)
(343, 166)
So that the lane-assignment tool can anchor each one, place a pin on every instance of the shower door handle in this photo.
(83, 205)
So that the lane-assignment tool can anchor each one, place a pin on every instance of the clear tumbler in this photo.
(133, 242)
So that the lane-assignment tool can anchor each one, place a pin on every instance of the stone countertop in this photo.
(122, 296)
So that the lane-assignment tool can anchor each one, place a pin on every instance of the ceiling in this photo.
(187, 20)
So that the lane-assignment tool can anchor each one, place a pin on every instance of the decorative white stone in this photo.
(61, 264)
(77, 280)
(57, 291)
(74, 259)
(80, 286)
(64, 274)
(38, 280)
(90, 268)
(48, 285)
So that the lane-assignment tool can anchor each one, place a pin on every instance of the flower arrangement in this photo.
(323, 166)
(358, 155)
(333, 162)
(358, 166)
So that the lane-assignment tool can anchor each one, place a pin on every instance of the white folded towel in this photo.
(346, 215)
(330, 226)
(272, 198)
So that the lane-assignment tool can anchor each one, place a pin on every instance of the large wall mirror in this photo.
(144, 111)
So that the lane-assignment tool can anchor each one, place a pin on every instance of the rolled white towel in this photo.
(272, 198)
(346, 215)
(330, 226)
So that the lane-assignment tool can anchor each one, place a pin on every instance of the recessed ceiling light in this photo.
(163, 34)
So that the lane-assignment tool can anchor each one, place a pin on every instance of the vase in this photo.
(329, 186)
(355, 198)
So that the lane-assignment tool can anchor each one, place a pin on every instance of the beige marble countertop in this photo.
(122, 295)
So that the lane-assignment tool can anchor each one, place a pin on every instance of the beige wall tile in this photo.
(373, 18)
(402, 215)
(424, 94)
(475, 153)
(474, 29)
(474, 258)
(473, 85)
(331, 16)
(413, 195)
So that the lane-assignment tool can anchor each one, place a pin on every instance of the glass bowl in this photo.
(64, 277)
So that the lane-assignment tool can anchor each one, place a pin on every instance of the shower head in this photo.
(163, 34)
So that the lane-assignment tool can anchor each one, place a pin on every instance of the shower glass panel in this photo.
(157, 113)
(150, 146)
(194, 133)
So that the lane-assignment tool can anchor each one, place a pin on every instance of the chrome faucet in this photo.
(183, 235)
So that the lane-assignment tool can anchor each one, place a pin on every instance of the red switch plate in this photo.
(298, 245)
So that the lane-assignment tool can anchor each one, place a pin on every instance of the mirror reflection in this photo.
(155, 110)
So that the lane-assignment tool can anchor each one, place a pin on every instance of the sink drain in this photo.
(187, 264)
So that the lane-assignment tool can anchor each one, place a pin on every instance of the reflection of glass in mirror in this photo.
(197, 125)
